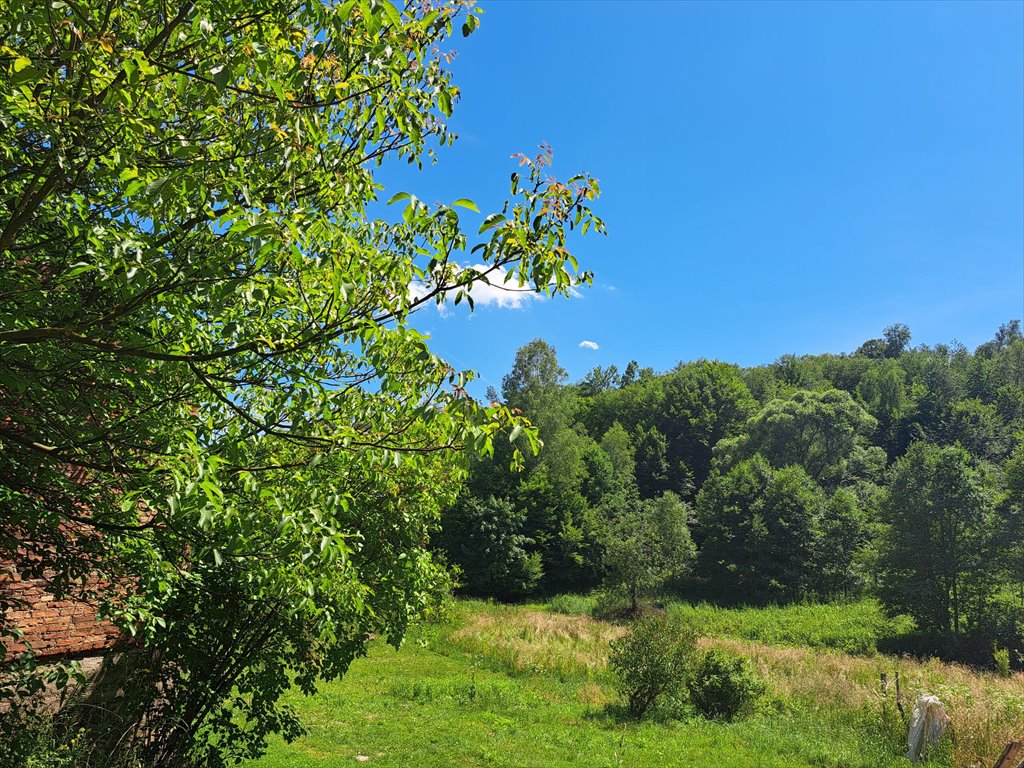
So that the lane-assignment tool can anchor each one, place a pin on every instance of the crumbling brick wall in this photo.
(54, 629)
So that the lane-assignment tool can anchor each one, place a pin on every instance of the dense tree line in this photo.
(894, 470)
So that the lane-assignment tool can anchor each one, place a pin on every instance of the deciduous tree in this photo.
(211, 390)
(934, 560)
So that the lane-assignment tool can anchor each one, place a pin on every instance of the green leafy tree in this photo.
(598, 474)
(483, 537)
(705, 402)
(211, 389)
(1010, 406)
(634, 406)
(936, 382)
(633, 563)
(1011, 509)
(672, 519)
(815, 430)
(758, 531)
(552, 488)
(884, 391)
(893, 343)
(844, 532)
(897, 337)
(631, 375)
(534, 385)
(618, 446)
(646, 543)
(598, 380)
(935, 555)
(652, 470)
(978, 428)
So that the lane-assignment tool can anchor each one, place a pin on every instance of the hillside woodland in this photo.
(893, 470)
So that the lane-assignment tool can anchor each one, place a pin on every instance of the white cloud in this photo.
(499, 293)
(494, 293)
(586, 344)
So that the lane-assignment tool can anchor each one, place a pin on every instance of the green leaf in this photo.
(24, 73)
(392, 13)
(153, 187)
(345, 11)
(79, 268)
(131, 70)
(464, 202)
(221, 76)
(491, 222)
(444, 103)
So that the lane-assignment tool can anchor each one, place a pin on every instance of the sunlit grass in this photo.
(522, 686)
(853, 627)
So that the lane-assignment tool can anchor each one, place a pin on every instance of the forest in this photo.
(895, 471)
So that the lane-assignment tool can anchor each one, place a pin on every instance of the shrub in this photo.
(722, 687)
(1001, 657)
(612, 604)
(652, 661)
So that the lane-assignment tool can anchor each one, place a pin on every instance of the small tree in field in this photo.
(644, 546)
(722, 687)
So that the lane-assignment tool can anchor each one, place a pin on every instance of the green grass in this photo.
(449, 698)
(851, 627)
(573, 605)
(854, 627)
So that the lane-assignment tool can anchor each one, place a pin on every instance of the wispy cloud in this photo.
(587, 344)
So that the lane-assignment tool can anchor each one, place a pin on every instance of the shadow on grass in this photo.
(975, 649)
(618, 714)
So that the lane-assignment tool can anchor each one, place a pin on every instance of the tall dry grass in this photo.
(987, 710)
(530, 641)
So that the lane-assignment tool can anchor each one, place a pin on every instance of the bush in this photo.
(612, 604)
(652, 661)
(1001, 657)
(722, 687)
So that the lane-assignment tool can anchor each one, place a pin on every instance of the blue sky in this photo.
(777, 177)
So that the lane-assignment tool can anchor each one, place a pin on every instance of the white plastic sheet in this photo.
(928, 722)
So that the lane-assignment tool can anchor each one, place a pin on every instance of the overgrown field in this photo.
(524, 686)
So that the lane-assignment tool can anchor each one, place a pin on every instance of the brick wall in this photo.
(54, 628)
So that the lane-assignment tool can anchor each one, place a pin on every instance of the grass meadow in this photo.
(527, 686)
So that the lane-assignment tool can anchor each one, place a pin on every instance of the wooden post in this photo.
(1012, 757)
(899, 704)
